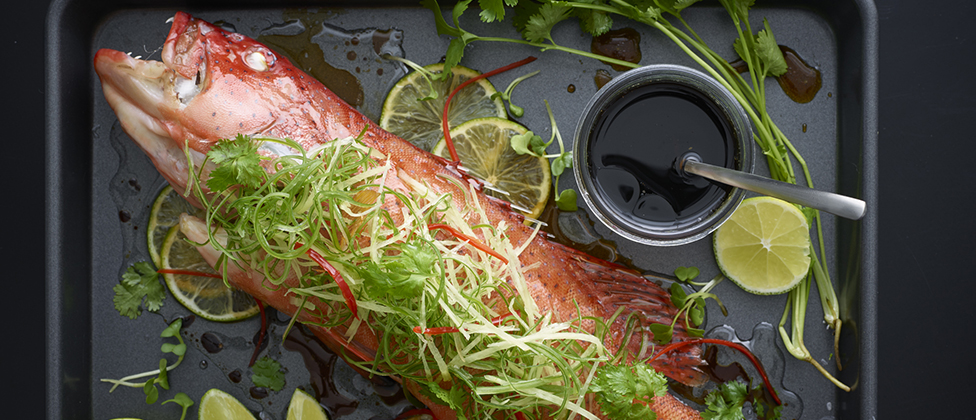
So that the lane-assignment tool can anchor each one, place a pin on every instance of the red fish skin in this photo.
(282, 101)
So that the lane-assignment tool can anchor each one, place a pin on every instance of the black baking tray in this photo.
(93, 174)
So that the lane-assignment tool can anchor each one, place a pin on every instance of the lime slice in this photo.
(165, 214)
(305, 407)
(419, 122)
(484, 148)
(765, 246)
(219, 405)
(207, 297)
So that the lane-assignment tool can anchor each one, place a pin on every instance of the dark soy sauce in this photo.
(636, 143)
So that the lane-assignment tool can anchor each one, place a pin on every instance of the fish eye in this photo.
(259, 60)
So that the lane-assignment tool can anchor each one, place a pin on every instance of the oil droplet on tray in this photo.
(211, 342)
(801, 82)
(804, 128)
(235, 376)
(601, 78)
(621, 44)
(571, 88)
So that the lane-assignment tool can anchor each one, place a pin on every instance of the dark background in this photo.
(927, 223)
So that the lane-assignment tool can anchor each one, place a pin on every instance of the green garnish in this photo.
(182, 400)
(725, 403)
(532, 144)
(267, 372)
(237, 163)
(535, 21)
(139, 281)
(479, 328)
(161, 379)
(506, 96)
(692, 306)
(428, 75)
(624, 392)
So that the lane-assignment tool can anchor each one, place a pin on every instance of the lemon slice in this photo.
(484, 148)
(207, 297)
(419, 122)
(219, 405)
(305, 407)
(165, 214)
(765, 246)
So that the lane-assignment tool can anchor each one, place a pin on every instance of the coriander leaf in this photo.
(523, 11)
(455, 50)
(726, 402)
(618, 386)
(539, 26)
(491, 10)
(267, 372)
(810, 214)
(769, 52)
(441, 24)
(139, 281)
(686, 273)
(567, 200)
(182, 400)
(238, 163)
(593, 22)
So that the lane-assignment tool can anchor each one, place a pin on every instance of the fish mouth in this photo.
(148, 97)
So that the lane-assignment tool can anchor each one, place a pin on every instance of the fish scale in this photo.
(233, 83)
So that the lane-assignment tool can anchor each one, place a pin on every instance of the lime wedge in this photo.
(419, 122)
(219, 405)
(484, 148)
(764, 247)
(305, 407)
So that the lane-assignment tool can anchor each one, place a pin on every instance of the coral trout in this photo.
(212, 84)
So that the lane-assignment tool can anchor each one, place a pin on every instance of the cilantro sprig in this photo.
(624, 392)
(162, 377)
(140, 283)
(726, 403)
(267, 372)
(238, 163)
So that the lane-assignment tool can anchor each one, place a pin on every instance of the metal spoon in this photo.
(841, 205)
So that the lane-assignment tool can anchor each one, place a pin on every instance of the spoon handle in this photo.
(841, 205)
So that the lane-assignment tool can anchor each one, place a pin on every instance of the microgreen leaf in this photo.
(686, 273)
(152, 394)
(182, 400)
(238, 163)
(662, 333)
(267, 372)
(678, 295)
(529, 143)
(173, 329)
(163, 378)
(139, 281)
(561, 162)
(567, 200)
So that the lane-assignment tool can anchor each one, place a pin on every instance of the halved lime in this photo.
(305, 407)
(207, 297)
(219, 405)
(484, 148)
(419, 122)
(764, 247)
(165, 214)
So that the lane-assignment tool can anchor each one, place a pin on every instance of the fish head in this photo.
(210, 85)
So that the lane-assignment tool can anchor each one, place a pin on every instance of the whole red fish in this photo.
(213, 85)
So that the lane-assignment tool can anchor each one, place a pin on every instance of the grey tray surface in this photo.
(93, 171)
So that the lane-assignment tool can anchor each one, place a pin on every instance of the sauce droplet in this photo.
(571, 88)
(801, 82)
(621, 44)
(351, 55)
(258, 392)
(804, 128)
(601, 78)
(235, 376)
(124, 216)
(134, 183)
(211, 342)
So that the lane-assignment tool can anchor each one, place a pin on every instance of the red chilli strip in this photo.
(263, 332)
(496, 321)
(340, 281)
(474, 242)
(729, 344)
(189, 273)
(447, 104)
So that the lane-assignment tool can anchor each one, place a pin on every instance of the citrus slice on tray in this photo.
(206, 297)
(419, 122)
(764, 247)
(305, 407)
(219, 405)
(165, 214)
(484, 148)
